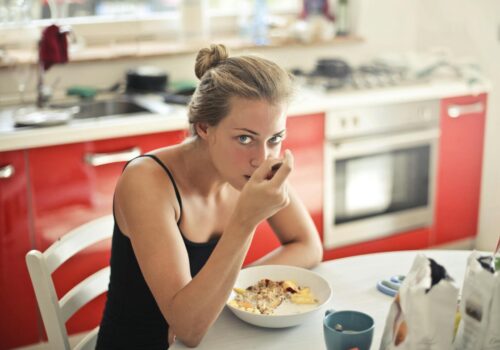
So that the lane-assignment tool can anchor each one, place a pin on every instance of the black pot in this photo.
(332, 68)
(146, 80)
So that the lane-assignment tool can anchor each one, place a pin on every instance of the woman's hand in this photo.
(265, 193)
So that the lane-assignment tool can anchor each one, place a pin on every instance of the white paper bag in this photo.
(479, 306)
(423, 313)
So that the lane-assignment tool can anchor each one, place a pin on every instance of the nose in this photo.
(259, 154)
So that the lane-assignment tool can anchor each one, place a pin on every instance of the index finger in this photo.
(285, 169)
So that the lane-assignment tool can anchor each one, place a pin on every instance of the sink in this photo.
(97, 109)
(63, 113)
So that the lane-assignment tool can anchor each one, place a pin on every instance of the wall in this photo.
(472, 28)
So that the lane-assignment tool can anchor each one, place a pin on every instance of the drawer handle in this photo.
(7, 171)
(455, 111)
(97, 159)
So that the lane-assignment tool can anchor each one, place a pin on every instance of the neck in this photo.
(199, 169)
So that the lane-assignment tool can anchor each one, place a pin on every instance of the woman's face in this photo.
(251, 132)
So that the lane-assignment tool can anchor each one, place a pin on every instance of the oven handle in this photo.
(348, 149)
(456, 111)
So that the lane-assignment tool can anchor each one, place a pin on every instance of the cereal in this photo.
(265, 296)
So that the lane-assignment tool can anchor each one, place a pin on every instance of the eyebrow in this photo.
(257, 134)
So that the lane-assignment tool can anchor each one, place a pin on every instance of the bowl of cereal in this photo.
(278, 296)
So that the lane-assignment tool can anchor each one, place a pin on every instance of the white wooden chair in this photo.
(56, 312)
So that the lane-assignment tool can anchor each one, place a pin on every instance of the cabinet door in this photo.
(305, 136)
(73, 184)
(17, 298)
(459, 170)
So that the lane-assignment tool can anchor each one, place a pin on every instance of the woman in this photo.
(185, 215)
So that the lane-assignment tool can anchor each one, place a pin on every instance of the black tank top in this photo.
(131, 318)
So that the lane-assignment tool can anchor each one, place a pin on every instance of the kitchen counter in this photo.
(307, 101)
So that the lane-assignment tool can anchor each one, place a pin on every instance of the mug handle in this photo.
(328, 312)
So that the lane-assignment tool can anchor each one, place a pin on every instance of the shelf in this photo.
(118, 51)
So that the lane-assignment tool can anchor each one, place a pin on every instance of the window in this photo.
(133, 24)
(23, 11)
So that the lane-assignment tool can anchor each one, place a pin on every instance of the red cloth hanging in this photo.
(53, 47)
(316, 5)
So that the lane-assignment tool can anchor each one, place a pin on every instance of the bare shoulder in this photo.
(143, 190)
(142, 176)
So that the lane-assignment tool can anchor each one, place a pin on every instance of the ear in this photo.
(202, 130)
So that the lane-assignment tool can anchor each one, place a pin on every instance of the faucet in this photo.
(44, 92)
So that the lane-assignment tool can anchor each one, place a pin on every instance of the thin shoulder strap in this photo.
(177, 194)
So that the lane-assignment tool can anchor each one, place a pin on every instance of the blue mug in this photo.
(344, 330)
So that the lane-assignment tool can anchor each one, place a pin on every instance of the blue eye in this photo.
(244, 139)
(276, 139)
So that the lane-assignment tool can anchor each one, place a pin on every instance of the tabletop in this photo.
(353, 281)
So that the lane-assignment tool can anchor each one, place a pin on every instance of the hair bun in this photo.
(209, 57)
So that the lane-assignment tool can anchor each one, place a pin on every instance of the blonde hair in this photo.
(223, 77)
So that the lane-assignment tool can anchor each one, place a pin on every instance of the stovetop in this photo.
(365, 76)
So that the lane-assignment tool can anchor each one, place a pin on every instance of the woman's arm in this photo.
(300, 242)
(191, 305)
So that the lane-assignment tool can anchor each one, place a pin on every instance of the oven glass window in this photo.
(383, 183)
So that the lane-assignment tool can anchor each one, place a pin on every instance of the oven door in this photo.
(379, 186)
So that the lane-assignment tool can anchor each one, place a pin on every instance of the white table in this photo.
(353, 282)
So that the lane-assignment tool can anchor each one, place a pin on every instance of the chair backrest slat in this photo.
(83, 292)
(78, 239)
(56, 312)
(89, 342)
(47, 300)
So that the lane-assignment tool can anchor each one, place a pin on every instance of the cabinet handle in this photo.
(455, 111)
(97, 159)
(7, 171)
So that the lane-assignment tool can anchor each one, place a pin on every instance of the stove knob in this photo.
(355, 121)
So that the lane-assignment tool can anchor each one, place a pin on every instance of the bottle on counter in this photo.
(259, 24)
(342, 17)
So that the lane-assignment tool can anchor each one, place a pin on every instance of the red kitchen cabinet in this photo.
(17, 298)
(65, 190)
(459, 170)
(305, 136)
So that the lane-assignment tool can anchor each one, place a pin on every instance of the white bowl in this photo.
(285, 315)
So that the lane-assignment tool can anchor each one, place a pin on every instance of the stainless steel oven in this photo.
(380, 171)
